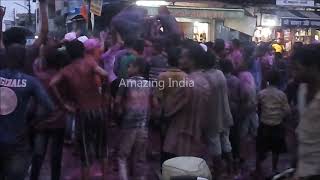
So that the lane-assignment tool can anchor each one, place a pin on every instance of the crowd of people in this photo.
(208, 100)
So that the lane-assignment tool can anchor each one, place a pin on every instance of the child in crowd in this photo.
(133, 103)
(273, 108)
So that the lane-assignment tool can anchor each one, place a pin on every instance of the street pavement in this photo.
(71, 163)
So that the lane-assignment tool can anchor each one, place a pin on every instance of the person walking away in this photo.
(220, 118)
(133, 104)
(86, 101)
(53, 128)
(16, 89)
(273, 108)
(234, 97)
(249, 121)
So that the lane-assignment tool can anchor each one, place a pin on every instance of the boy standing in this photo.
(133, 104)
(273, 107)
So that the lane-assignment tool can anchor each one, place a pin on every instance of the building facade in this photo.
(260, 20)
(288, 22)
(208, 20)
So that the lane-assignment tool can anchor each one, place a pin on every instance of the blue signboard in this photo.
(307, 23)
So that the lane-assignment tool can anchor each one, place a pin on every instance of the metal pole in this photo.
(29, 13)
(14, 17)
(89, 25)
(36, 23)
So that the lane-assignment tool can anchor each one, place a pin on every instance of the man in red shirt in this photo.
(86, 101)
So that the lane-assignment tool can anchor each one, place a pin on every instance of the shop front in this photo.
(301, 30)
(304, 27)
(288, 26)
(200, 23)
(268, 27)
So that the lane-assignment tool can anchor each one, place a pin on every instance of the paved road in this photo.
(71, 163)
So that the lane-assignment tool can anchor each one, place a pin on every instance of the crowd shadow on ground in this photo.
(71, 164)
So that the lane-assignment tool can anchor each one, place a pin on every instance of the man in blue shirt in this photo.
(16, 89)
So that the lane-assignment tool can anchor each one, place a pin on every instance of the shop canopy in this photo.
(246, 24)
(200, 13)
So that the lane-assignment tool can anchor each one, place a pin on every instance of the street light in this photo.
(152, 3)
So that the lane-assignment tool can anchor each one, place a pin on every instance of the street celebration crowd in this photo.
(142, 75)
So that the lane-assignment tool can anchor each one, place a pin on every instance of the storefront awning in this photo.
(246, 25)
(289, 19)
(286, 14)
(309, 14)
(200, 13)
